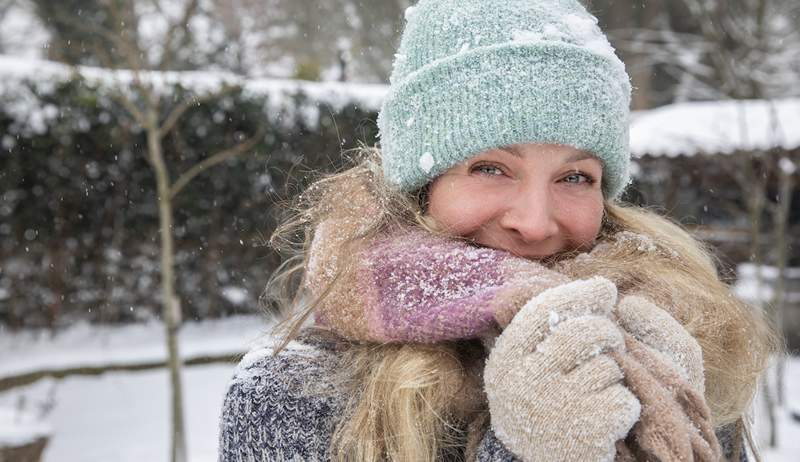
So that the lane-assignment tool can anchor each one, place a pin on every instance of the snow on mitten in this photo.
(554, 392)
(655, 328)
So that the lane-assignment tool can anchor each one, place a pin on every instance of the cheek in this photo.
(461, 209)
(582, 219)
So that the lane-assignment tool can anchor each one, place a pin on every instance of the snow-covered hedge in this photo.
(78, 215)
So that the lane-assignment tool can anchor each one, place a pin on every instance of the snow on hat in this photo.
(472, 75)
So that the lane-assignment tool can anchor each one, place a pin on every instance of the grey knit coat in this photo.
(285, 407)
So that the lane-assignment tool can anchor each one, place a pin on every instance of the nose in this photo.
(530, 214)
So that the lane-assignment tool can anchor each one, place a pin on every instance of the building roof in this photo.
(716, 127)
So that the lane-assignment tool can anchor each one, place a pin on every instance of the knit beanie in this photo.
(472, 75)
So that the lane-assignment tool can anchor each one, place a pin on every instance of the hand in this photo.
(657, 329)
(554, 392)
(675, 422)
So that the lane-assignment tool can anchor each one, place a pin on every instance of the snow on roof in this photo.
(716, 127)
(677, 129)
(278, 92)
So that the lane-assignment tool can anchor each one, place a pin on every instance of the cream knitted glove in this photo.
(554, 393)
(657, 329)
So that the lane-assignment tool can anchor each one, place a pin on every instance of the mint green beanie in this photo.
(472, 75)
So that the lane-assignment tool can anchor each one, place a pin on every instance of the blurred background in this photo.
(146, 147)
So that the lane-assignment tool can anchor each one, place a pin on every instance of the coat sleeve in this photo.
(268, 412)
(726, 435)
(492, 449)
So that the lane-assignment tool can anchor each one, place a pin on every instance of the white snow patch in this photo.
(526, 36)
(235, 295)
(787, 166)
(409, 12)
(426, 162)
(85, 345)
(553, 319)
(124, 416)
(26, 108)
(575, 29)
(19, 427)
(585, 31)
(716, 127)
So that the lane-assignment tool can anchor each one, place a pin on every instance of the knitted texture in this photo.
(270, 413)
(675, 422)
(655, 327)
(412, 286)
(399, 290)
(471, 75)
(286, 407)
(554, 392)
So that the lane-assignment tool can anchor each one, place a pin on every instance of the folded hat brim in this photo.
(544, 92)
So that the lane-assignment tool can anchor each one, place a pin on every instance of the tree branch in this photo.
(182, 24)
(209, 162)
(134, 111)
(177, 112)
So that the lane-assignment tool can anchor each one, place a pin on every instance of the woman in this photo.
(478, 292)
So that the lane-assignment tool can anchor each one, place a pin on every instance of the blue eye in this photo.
(488, 169)
(575, 178)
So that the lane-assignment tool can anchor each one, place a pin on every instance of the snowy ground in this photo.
(123, 416)
(788, 426)
(84, 345)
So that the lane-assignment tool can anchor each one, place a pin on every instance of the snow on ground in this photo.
(788, 426)
(119, 416)
(124, 416)
(84, 345)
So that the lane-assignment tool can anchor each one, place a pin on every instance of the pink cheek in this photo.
(463, 211)
(582, 221)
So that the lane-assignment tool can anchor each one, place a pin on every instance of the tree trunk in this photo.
(756, 191)
(781, 220)
(170, 302)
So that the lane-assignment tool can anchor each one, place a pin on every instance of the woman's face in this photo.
(533, 200)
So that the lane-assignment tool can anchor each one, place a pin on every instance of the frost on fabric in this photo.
(574, 29)
(630, 240)
(640, 241)
(552, 320)
(262, 350)
(409, 12)
(585, 30)
(426, 162)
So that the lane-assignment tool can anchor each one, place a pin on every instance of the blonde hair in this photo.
(402, 406)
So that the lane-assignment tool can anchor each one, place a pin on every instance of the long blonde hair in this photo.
(402, 404)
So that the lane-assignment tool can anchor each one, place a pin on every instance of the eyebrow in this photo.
(573, 158)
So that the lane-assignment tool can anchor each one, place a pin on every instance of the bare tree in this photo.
(158, 114)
